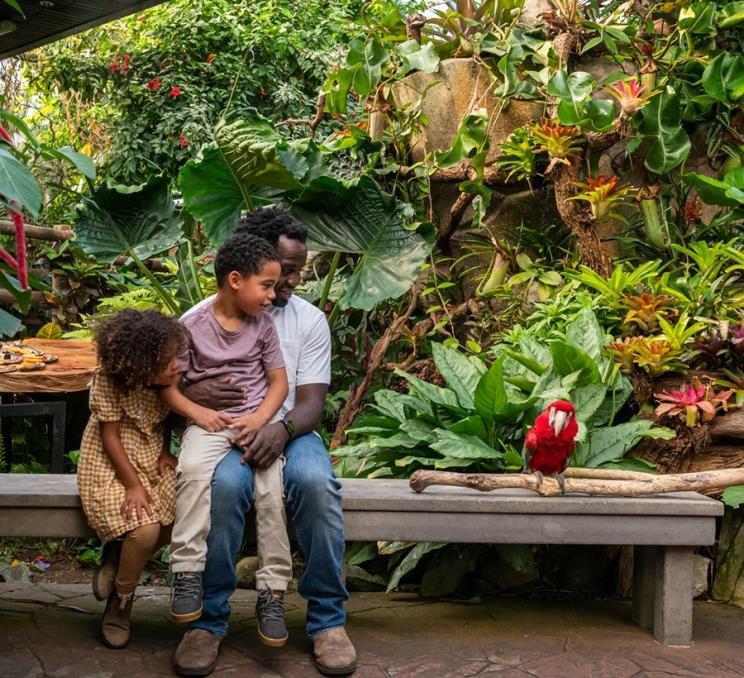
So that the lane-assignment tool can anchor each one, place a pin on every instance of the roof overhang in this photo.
(48, 20)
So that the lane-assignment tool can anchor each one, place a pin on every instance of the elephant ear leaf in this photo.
(358, 217)
(211, 194)
(128, 219)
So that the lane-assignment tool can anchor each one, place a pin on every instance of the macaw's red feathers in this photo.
(551, 441)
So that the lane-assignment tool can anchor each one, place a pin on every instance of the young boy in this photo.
(232, 336)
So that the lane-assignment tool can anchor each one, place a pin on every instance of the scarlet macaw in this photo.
(551, 441)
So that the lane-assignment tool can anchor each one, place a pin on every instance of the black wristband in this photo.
(287, 428)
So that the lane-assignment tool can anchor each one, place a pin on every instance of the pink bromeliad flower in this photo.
(691, 402)
(630, 94)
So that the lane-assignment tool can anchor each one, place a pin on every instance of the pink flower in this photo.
(154, 84)
(184, 141)
(630, 94)
(175, 92)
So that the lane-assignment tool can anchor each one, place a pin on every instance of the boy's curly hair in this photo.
(272, 222)
(244, 253)
(134, 347)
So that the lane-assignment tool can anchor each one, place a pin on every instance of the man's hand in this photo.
(211, 420)
(166, 461)
(244, 425)
(219, 394)
(265, 444)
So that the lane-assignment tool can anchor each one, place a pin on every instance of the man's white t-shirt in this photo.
(305, 340)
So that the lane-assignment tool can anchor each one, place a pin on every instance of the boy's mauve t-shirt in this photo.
(244, 355)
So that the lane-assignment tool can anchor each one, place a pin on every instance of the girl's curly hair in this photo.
(134, 347)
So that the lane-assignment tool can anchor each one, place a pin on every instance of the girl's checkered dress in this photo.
(140, 414)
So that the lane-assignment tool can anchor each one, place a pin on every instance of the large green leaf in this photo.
(417, 56)
(611, 444)
(211, 194)
(80, 161)
(459, 373)
(411, 560)
(432, 392)
(585, 333)
(140, 219)
(257, 155)
(730, 14)
(366, 59)
(573, 91)
(711, 191)
(568, 359)
(723, 77)
(9, 324)
(359, 217)
(447, 568)
(492, 401)
(17, 184)
(670, 144)
(462, 446)
(471, 140)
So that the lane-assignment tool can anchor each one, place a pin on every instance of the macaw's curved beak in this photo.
(558, 420)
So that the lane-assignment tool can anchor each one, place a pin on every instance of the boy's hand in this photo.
(136, 502)
(244, 425)
(211, 420)
(166, 461)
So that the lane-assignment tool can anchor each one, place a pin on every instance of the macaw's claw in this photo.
(539, 475)
(561, 481)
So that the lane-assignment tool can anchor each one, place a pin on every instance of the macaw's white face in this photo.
(558, 419)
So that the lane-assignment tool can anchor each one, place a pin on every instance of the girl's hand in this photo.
(211, 420)
(166, 461)
(137, 502)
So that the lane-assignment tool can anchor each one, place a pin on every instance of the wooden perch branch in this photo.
(585, 481)
(38, 232)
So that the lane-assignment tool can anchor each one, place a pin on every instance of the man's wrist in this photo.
(289, 427)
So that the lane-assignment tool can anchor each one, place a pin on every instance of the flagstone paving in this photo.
(51, 630)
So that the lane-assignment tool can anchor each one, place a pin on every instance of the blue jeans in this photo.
(314, 503)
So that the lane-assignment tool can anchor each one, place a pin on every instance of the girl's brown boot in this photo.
(115, 622)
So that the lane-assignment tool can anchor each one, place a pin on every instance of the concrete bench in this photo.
(664, 529)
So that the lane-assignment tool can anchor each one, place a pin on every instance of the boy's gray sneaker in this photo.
(186, 596)
(270, 615)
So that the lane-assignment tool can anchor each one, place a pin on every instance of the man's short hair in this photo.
(271, 223)
(244, 253)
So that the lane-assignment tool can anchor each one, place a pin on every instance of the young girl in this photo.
(126, 473)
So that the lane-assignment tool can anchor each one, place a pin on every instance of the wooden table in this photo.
(72, 372)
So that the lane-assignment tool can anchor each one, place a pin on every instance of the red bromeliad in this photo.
(630, 94)
(604, 196)
(154, 84)
(183, 140)
(175, 92)
(692, 402)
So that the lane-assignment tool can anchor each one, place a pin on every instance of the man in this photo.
(311, 490)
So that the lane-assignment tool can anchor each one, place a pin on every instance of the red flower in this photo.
(114, 66)
(5, 136)
(184, 140)
(125, 65)
(211, 58)
(175, 92)
(154, 84)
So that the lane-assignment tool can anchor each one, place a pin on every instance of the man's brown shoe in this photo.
(196, 654)
(115, 622)
(103, 577)
(334, 653)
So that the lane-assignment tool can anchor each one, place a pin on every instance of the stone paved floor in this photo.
(51, 631)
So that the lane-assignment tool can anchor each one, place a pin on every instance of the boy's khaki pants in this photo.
(201, 451)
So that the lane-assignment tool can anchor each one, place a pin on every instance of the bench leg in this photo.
(644, 585)
(673, 595)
